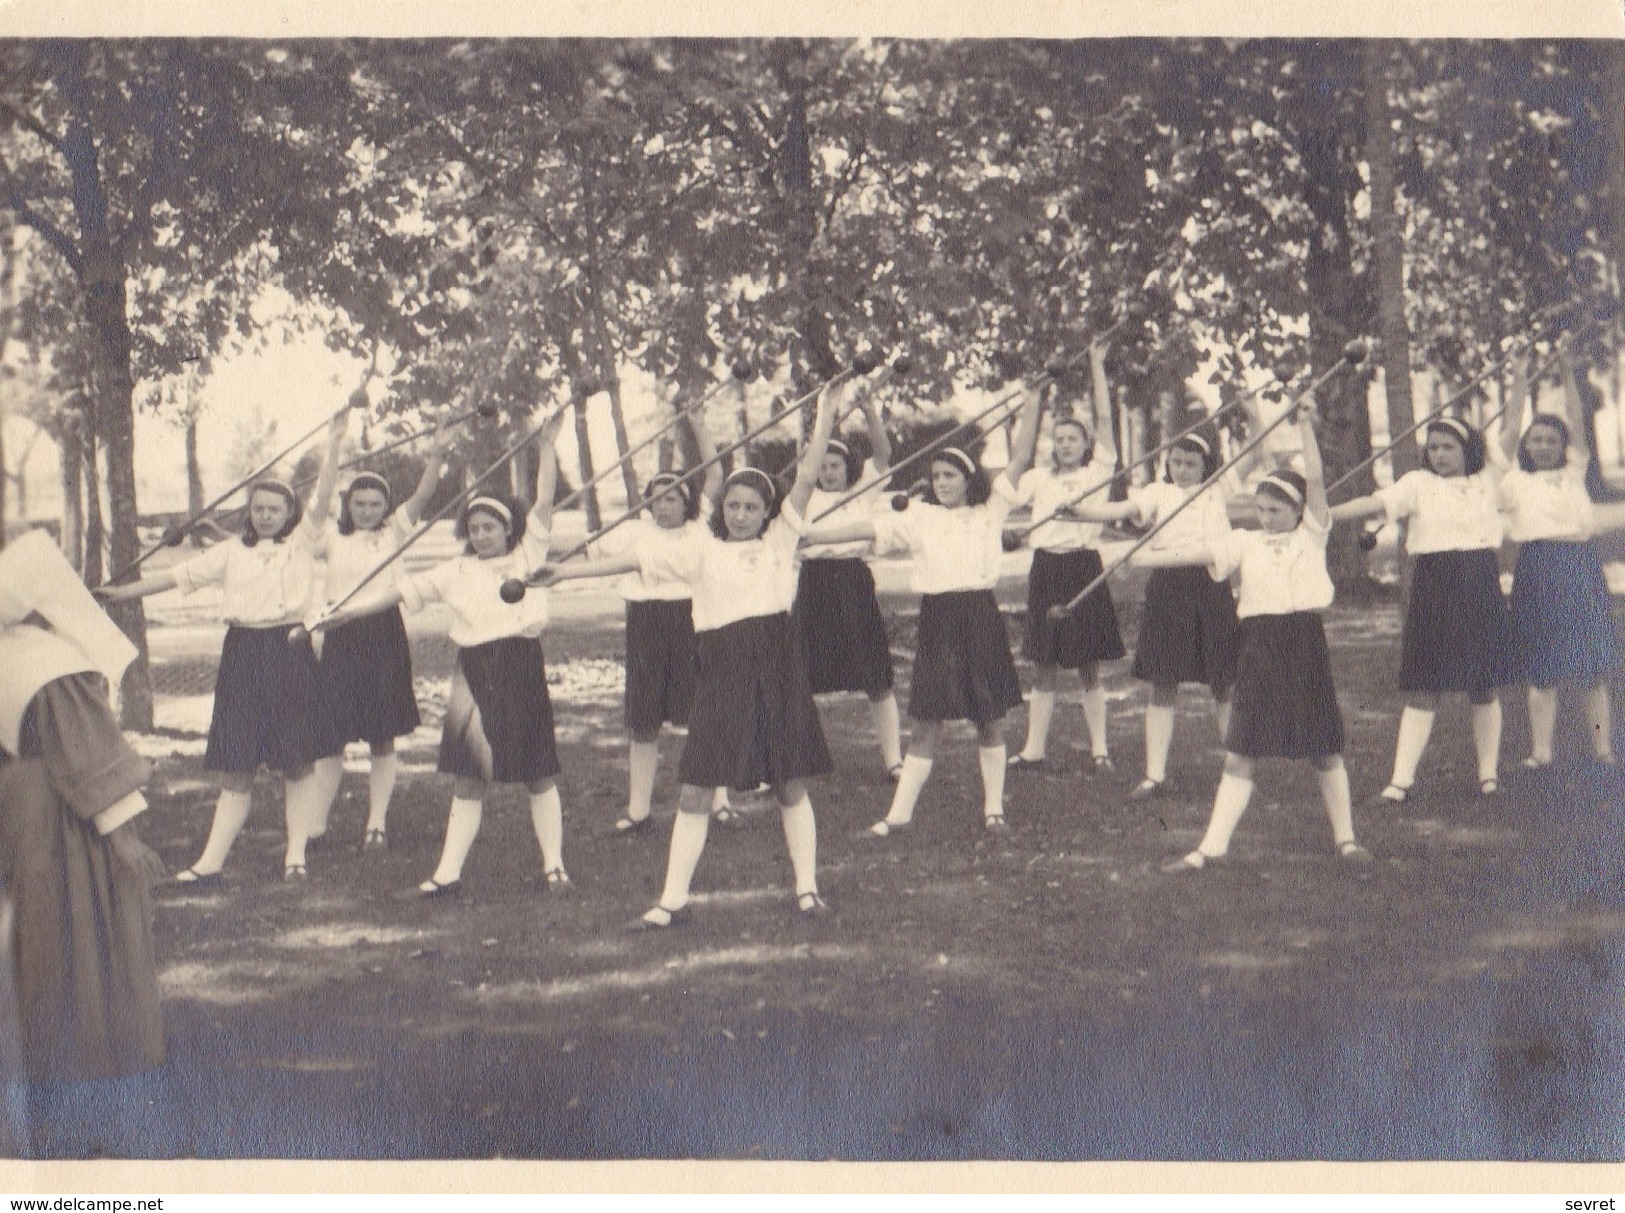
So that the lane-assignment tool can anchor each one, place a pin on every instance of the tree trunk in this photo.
(95, 534)
(1339, 302)
(603, 348)
(102, 278)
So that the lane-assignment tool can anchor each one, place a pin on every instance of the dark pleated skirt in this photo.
(1458, 632)
(840, 629)
(661, 663)
(1284, 704)
(753, 720)
(1562, 624)
(1090, 633)
(963, 669)
(81, 951)
(267, 708)
(1189, 631)
(365, 682)
(499, 718)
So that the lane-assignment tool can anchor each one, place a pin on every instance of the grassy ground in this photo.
(1046, 995)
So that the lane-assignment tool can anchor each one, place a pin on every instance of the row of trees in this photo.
(513, 220)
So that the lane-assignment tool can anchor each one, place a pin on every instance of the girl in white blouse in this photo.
(1457, 635)
(265, 693)
(365, 685)
(1065, 560)
(1284, 704)
(753, 719)
(1562, 625)
(837, 618)
(499, 717)
(1188, 632)
(962, 669)
(661, 662)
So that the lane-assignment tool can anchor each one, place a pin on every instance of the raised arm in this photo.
(547, 471)
(1573, 406)
(1100, 405)
(1512, 420)
(879, 440)
(434, 468)
(1025, 441)
(710, 486)
(829, 403)
(321, 500)
(1314, 472)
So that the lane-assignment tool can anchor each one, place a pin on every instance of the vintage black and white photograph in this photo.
(877, 598)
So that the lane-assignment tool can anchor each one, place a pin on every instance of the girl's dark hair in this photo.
(1088, 438)
(1296, 480)
(1190, 445)
(1472, 448)
(367, 480)
(296, 511)
(775, 503)
(1556, 423)
(689, 492)
(978, 487)
(516, 529)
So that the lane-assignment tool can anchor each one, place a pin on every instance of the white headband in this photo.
(954, 455)
(1458, 428)
(1198, 440)
(369, 480)
(835, 444)
(492, 505)
(1284, 485)
(757, 473)
(666, 481)
(275, 483)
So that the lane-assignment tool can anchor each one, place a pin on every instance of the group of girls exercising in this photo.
(745, 600)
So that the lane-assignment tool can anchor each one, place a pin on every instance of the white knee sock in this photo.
(909, 784)
(1040, 713)
(1159, 735)
(642, 760)
(1221, 717)
(1487, 737)
(1334, 791)
(992, 759)
(1229, 803)
(381, 788)
(719, 800)
(1599, 716)
(801, 837)
(329, 775)
(687, 844)
(462, 827)
(1415, 727)
(1542, 722)
(230, 815)
(1094, 716)
(301, 808)
(547, 815)
(888, 728)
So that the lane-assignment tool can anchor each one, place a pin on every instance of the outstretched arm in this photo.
(321, 501)
(553, 572)
(433, 469)
(1100, 405)
(155, 584)
(362, 605)
(1573, 406)
(1512, 419)
(879, 440)
(1172, 558)
(1360, 507)
(547, 471)
(1025, 441)
(1314, 473)
(829, 403)
(846, 532)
